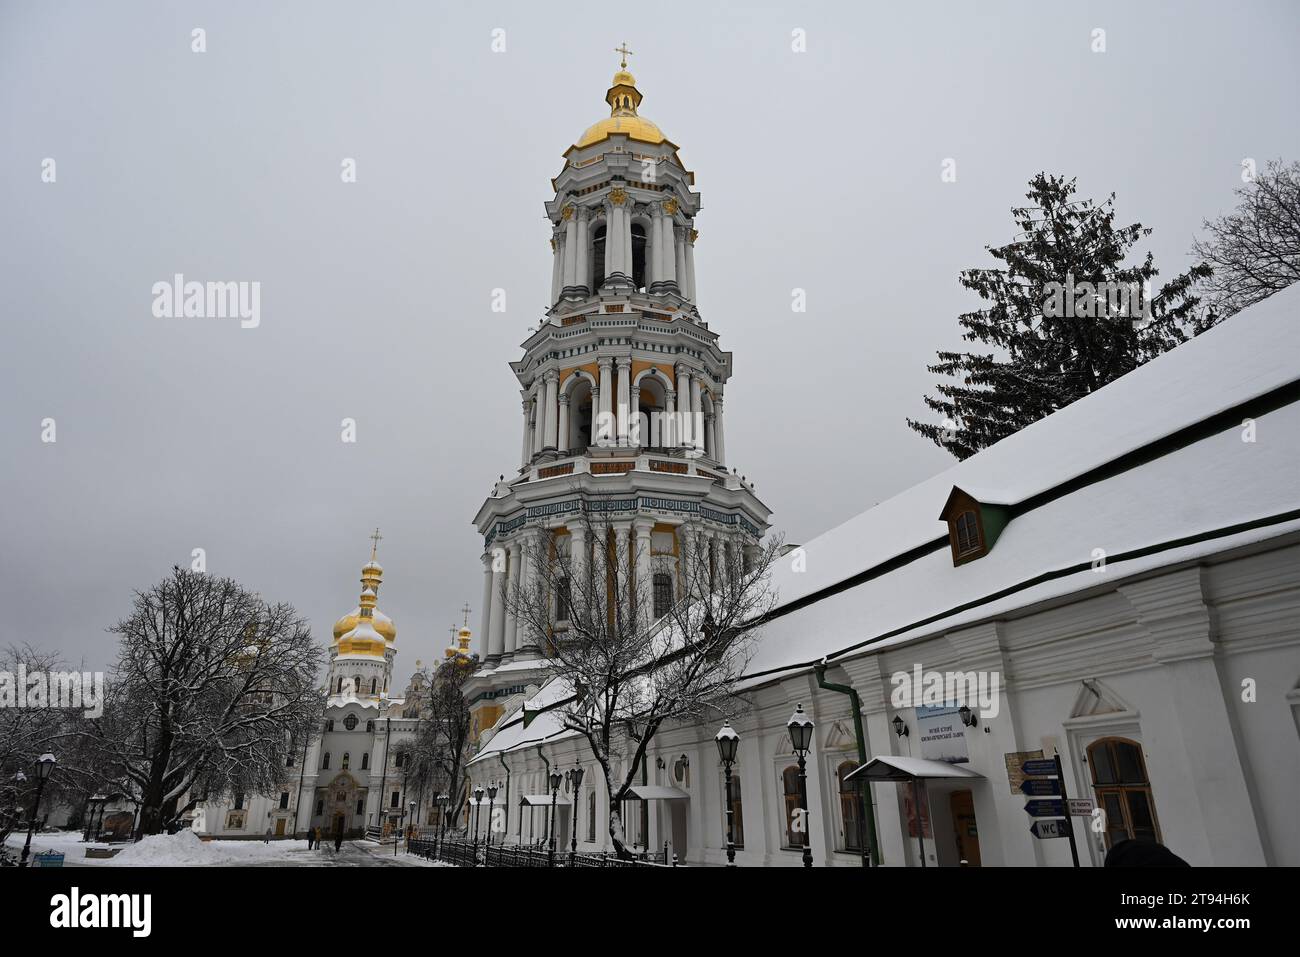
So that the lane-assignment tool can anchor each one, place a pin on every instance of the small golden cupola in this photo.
(623, 98)
(460, 638)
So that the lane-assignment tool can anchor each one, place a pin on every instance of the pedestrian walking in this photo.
(338, 840)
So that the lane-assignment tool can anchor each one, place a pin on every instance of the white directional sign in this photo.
(1080, 807)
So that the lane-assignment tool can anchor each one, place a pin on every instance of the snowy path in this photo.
(185, 850)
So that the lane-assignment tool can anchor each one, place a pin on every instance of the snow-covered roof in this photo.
(1212, 493)
(1210, 484)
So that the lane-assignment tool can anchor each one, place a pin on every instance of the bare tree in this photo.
(211, 690)
(632, 667)
(25, 733)
(439, 750)
(1255, 250)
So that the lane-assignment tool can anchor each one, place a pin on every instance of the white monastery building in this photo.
(1119, 581)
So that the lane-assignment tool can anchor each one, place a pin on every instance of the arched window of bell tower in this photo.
(598, 257)
(638, 256)
(580, 414)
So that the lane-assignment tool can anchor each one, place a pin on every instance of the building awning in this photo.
(895, 768)
(542, 800)
(656, 792)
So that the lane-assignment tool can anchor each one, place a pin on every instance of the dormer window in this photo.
(973, 525)
(968, 533)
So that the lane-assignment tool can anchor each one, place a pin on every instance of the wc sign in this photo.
(1044, 781)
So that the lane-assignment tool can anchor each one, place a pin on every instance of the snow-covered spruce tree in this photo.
(213, 691)
(1050, 345)
(1255, 250)
(619, 673)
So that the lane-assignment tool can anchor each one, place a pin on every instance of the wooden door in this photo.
(967, 833)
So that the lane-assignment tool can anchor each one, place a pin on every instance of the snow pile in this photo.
(186, 849)
(165, 850)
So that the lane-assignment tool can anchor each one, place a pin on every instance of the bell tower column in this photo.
(557, 270)
(685, 433)
(601, 424)
(691, 236)
(583, 279)
(552, 386)
(667, 255)
(570, 250)
(562, 440)
(719, 439)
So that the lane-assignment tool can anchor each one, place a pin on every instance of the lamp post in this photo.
(478, 803)
(556, 780)
(44, 767)
(492, 797)
(576, 781)
(800, 727)
(728, 744)
(411, 805)
(441, 800)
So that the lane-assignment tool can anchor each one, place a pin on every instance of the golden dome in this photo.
(623, 98)
(372, 575)
(381, 622)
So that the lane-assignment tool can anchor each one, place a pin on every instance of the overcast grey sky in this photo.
(818, 170)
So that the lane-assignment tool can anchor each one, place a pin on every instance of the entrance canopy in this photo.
(895, 768)
(656, 792)
(542, 800)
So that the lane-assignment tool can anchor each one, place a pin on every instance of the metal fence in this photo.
(472, 854)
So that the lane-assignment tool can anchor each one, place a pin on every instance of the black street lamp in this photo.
(411, 805)
(492, 797)
(575, 779)
(478, 804)
(800, 727)
(556, 780)
(44, 767)
(728, 745)
(441, 800)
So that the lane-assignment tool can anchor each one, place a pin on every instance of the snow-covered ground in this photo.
(186, 849)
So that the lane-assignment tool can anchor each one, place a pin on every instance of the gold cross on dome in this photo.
(376, 539)
(625, 52)
(453, 631)
(466, 611)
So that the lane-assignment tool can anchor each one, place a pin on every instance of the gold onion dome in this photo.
(372, 574)
(623, 98)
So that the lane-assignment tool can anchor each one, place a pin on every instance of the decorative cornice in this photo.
(1173, 611)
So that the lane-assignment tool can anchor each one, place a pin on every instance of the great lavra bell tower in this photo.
(622, 390)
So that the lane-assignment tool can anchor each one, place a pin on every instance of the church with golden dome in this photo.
(350, 777)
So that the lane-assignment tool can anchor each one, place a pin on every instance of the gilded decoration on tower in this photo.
(670, 206)
(617, 196)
